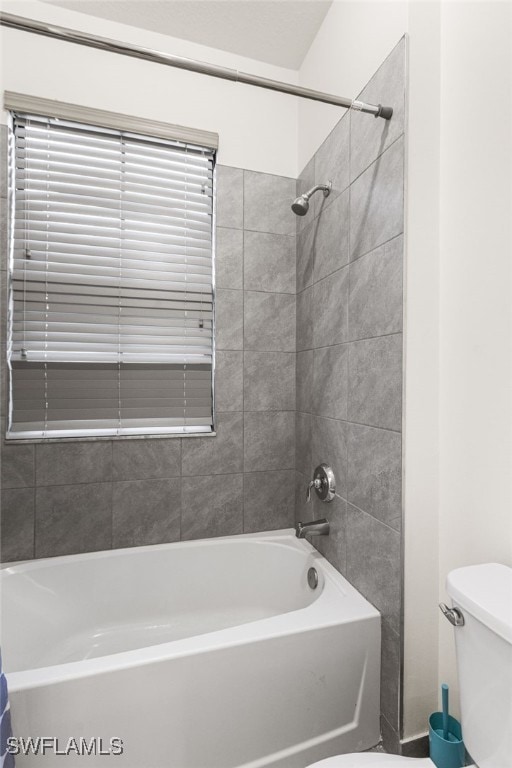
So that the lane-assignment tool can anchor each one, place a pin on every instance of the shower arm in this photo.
(325, 188)
(114, 46)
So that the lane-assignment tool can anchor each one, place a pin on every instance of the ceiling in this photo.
(274, 31)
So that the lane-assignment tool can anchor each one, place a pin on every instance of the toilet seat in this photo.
(373, 760)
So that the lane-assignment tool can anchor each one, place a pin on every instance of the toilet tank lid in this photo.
(485, 591)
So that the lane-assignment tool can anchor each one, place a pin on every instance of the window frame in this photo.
(146, 129)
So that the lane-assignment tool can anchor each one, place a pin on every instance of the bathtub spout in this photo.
(315, 528)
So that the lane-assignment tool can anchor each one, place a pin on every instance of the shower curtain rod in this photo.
(224, 73)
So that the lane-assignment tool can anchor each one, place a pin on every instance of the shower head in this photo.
(300, 205)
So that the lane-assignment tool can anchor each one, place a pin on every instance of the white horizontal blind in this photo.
(111, 326)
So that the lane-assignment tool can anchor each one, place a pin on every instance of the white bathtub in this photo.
(204, 654)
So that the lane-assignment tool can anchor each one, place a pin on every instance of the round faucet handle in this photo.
(323, 482)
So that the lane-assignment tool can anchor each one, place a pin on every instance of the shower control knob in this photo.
(323, 482)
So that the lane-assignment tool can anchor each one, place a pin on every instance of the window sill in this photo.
(103, 438)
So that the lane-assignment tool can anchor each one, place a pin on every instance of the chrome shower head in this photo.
(300, 205)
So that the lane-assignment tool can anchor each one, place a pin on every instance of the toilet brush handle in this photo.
(444, 694)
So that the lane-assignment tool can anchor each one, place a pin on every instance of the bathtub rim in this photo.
(322, 613)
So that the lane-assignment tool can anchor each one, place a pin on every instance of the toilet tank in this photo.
(483, 593)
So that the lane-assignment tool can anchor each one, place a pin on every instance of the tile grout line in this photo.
(352, 341)
(353, 261)
(376, 519)
(347, 421)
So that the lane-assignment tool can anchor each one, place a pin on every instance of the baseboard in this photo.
(417, 747)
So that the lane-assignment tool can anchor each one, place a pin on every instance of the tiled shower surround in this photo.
(349, 357)
(308, 370)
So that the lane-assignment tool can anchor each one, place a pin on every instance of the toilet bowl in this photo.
(373, 760)
(483, 596)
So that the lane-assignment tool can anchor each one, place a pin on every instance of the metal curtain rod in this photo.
(224, 73)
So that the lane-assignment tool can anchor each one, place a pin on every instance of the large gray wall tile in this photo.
(329, 446)
(229, 258)
(374, 475)
(305, 319)
(221, 454)
(390, 737)
(146, 512)
(332, 162)
(369, 138)
(17, 524)
(306, 254)
(145, 459)
(269, 381)
(269, 500)
(230, 197)
(330, 382)
(303, 510)
(267, 203)
(269, 322)
(390, 675)
(375, 382)
(269, 440)
(70, 463)
(73, 518)
(373, 563)
(229, 319)
(18, 465)
(304, 444)
(330, 309)
(304, 381)
(332, 236)
(375, 293)
(377, 202)
(333, 546)
(229, 381)
(269, 262)
(211, 506)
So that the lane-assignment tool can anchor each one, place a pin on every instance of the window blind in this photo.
(111, 311)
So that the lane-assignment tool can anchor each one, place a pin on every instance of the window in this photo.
(111, 305)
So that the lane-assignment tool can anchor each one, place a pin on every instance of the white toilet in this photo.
(483, 594)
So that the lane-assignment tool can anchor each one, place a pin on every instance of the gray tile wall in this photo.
(349, 356)
(68, 497)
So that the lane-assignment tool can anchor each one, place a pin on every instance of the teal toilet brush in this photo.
(445, 735)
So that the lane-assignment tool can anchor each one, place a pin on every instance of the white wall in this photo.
(257, 128)
(421, 404)
(475, 522)
(458, 411)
